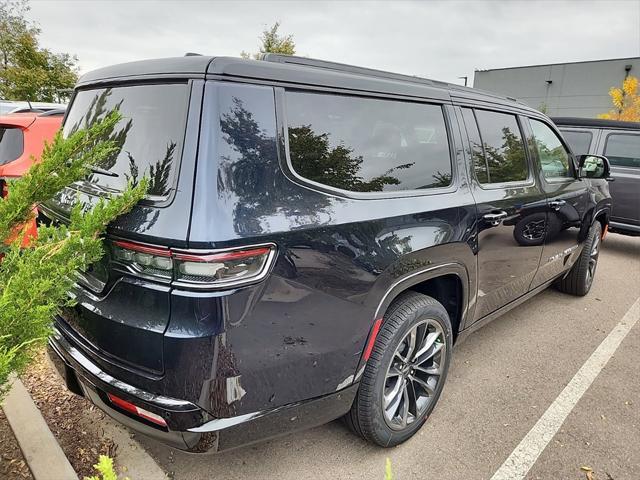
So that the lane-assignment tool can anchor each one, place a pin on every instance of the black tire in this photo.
(410, 312)
(580, 278)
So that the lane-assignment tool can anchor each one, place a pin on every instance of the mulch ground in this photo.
(12, 463)
(74, 421)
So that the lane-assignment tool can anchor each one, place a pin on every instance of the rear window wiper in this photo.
(102, 171)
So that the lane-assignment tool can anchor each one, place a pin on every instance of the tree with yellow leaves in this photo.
(626, 102)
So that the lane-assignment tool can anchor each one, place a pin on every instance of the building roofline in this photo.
(558, 63)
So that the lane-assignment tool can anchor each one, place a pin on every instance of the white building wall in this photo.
(576, 90)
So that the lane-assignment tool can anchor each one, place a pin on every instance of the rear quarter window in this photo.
(367, 145)
(11, 144)
(623, 149)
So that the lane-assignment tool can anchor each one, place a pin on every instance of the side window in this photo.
(11, 144)
(623, 150)
(367, 145)
(578, 141)
(503, 146)
(551, 152)
(476, 152)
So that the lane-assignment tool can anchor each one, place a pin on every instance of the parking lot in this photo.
(502, 380)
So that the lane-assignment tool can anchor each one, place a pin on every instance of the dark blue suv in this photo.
(316, 238)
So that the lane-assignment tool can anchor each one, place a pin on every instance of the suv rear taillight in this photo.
(193, 269)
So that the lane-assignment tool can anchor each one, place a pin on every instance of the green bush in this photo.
(35, 281)
(105, 469)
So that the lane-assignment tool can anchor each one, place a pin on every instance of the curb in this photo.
(40, 448)
(139, 464)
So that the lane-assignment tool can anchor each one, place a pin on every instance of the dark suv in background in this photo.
(620, 142)
(315, 239)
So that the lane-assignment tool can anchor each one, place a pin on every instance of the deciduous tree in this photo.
(272, 42)
(626, 101)
(28, 71)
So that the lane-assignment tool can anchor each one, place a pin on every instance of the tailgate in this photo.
(121, 315)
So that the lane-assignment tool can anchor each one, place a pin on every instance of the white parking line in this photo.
(516, 466)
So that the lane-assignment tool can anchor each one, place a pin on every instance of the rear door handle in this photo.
(495, 218)
(557, 204)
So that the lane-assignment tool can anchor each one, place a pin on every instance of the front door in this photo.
(567, 198)
(510, 208)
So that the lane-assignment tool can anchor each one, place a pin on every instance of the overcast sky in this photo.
(439, 40)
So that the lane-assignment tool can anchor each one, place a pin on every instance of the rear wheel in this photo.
(580, 278)
(406, 372)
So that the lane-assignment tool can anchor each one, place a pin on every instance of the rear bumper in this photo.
(189, 427)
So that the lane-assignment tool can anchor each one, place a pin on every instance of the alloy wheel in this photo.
(414, 374)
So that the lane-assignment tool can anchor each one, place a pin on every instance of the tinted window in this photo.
(11, 144)
(503, 147)
(150, 132)
(476, 153)
(367, 145)
(552, 154)
(623, 150)
(578, 141)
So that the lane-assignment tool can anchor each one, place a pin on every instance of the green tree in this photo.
(272, 42)
(28, 71)
(34, 281)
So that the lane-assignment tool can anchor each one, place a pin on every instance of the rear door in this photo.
(510, 208)
(622, 148)
(567, 197)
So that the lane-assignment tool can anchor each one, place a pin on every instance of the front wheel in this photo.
(580, 278)
(406, 372)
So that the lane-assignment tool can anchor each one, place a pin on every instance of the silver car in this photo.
(620, 143)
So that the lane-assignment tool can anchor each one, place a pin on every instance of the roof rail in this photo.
(343, 67)
(27, 110)
(51, 113)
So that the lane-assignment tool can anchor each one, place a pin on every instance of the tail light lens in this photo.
(143, 259)
(196, 270)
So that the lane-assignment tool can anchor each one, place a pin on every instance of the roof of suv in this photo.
(595, 122)
(293, 70)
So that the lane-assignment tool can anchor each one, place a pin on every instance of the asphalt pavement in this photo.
(503, 380)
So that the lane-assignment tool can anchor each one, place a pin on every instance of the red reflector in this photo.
(372, 339)
(137, 411)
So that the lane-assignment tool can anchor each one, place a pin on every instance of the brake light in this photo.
(194, 269)
(137, 411)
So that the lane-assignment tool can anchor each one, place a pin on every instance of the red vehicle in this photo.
(22, 137)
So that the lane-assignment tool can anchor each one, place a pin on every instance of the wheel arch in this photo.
(437, 282)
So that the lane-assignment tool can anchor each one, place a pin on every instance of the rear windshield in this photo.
(150, 133)
(11, 144)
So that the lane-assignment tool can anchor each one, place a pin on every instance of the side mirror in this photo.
(594, 166)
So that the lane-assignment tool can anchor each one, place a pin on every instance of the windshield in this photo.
(150, 133)
(11, 144)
